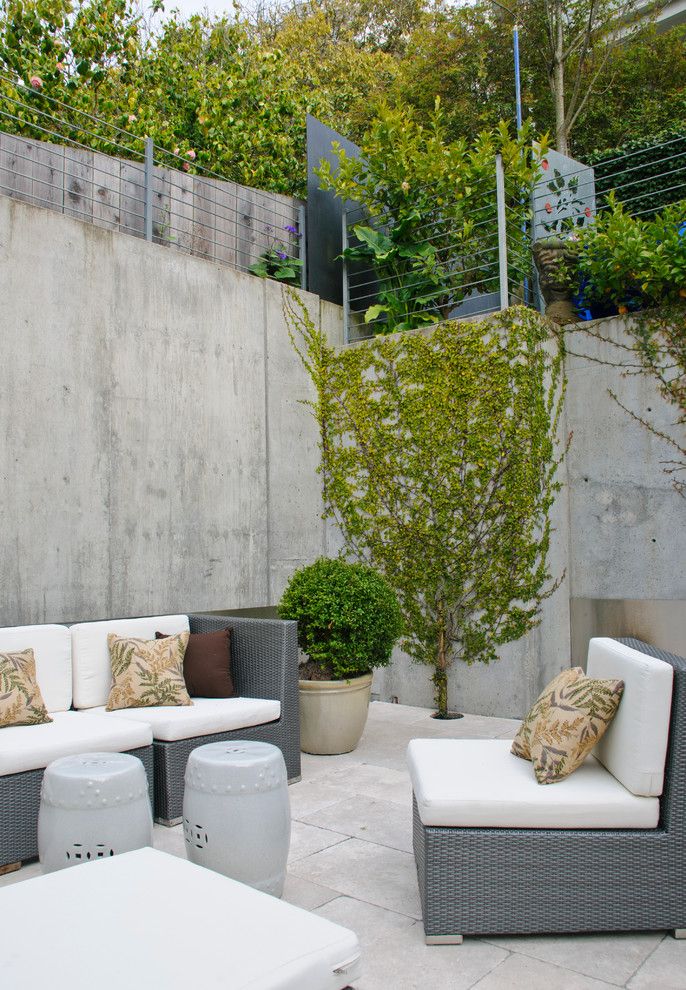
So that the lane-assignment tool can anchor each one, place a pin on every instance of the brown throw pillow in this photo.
(521, 744)
(567, 731)
(207, 664)
(21, 702)
(147, 672)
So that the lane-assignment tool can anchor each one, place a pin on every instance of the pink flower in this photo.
(132, 118)
(36, 82)
(60, 66)
(191, 154)
(186, 166)
(588, 212)
(548, 208)
(544, 165)
(176, 151)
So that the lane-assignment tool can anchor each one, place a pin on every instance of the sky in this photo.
(188, 7)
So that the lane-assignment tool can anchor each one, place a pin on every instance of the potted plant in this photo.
(348, 620)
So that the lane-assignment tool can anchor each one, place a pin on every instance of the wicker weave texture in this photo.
(20, 803)
(264, 655)
(520, 881)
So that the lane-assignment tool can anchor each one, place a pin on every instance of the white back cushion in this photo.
(92, 673)
(51, 647)
(634, 747)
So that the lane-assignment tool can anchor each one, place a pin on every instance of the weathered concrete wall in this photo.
(155, 454)
(620, 535)
(157, 457)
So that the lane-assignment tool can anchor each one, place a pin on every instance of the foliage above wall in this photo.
(633, 262)
(235, 90)
(438, 463)
(429, 234)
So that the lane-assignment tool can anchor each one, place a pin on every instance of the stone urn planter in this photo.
(348, 621)
(554, 257)
(333, 714)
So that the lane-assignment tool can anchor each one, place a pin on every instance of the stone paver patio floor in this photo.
(351, 861)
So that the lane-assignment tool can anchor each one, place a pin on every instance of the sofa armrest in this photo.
(264, 655)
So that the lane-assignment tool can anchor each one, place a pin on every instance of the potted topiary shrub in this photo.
(348, 620)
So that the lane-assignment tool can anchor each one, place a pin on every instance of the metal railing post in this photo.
(302, 218)
(346, 292)
(502, 231)
(149, 164)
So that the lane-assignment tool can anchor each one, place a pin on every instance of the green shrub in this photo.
(348, 617)
(632, 262)
(646, 174)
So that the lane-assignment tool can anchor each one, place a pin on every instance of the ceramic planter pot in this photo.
(333, 714)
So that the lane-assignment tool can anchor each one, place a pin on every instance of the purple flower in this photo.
(282, 255)
(292, 230)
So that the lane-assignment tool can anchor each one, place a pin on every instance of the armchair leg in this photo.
(443, 940)
(679, 932)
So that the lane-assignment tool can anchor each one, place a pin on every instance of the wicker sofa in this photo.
(72, 672)
(604, 850)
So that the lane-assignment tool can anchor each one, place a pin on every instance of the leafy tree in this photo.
(643, 95)
(438, 464)
(429, 232)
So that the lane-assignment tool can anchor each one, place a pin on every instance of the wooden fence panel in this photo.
(180, 232)
(15, 167)
(132, 217)
(203, 217)
(78, 183)
(161, 207)
(217, 220)
(225, 222)
(106, 192)
(46, 176)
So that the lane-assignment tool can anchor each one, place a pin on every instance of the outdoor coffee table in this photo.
(146, 919)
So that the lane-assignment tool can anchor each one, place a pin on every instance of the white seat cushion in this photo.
(478, 783)
(51, 647)
(635, 745)
(32, 747)
(92, 670)
(202, 718)
(146, 919)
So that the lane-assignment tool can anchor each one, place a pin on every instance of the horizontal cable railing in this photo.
(471, 261)
(62, 158)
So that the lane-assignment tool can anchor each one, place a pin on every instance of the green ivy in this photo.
(438, 461)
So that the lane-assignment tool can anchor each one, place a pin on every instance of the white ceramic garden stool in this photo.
(236, 812)
(93, 806)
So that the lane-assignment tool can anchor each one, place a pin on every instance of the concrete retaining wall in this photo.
(155, 454)
(157, 457)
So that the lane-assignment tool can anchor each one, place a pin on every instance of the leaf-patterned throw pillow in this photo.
(577, 718)
(147, 672)
(521, 744)
(21, 702)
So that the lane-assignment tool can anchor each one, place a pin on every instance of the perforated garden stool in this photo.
(93, 806)
(236, 812)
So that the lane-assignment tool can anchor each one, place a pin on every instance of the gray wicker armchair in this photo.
(521, 881)
(264, 654)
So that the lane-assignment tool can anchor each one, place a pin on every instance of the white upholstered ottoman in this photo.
(146, 919)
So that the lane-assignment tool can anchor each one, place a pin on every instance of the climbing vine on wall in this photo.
(438, 462)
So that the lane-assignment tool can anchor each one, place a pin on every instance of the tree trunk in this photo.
(440, 677)
(561, 142)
